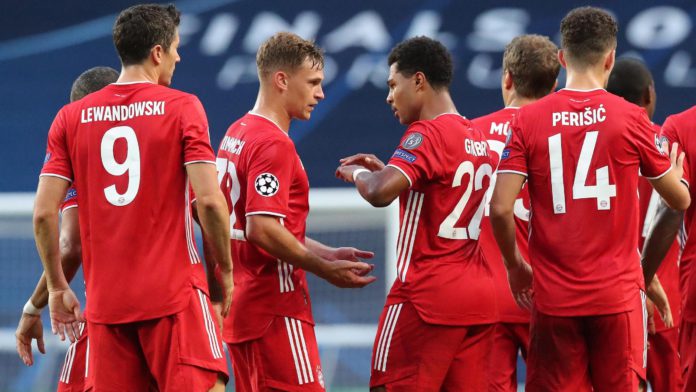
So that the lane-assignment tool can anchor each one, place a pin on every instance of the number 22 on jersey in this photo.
(602, 191)
(475, 183)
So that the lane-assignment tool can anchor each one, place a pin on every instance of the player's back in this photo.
(128, 145)
(581, 152)
(440, 267)
(261, 174)
(681, 128)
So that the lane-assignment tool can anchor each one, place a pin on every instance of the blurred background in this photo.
(44, 46)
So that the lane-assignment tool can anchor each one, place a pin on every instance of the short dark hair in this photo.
(587, 33)
(532, 61)
(93, 79)
(287, 51)
(139, 28)
(426, 55)
(629, 79)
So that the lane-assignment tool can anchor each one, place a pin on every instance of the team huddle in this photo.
(541, 228)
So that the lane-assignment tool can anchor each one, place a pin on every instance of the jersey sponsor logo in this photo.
(412, 141)
(659, 141)
(405, 155)
(72, 193)
(266, 184)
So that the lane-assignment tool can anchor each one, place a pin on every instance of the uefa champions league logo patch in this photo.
(412, 141)
(266, 184)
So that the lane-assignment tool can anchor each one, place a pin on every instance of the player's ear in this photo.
(609, 60)
(280, 79)
(419, 79)
(561, 58)
(507, 80)
(156, 54)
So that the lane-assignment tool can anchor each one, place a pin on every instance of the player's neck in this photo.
(272, 110)
(137, 73)
(589, 79)
(517, 101)
(438, 103)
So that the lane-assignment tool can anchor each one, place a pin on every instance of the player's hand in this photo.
(348, 274)
(217, 308)
(677, 160)
(658, 297)
(227, 286)
(650, 308)
(29, 328)
(520, 279)
(368, 161)
(65, 314)
(345, 173)
(349, 253)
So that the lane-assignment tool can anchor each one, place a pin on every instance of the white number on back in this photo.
(447, 229)
(226, 166)
(602, 191)
(131, 164)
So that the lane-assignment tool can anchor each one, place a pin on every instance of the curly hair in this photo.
(532, 61)
(426, 55)
(587, 33)
(287, 51)
(629, 79)
(92, 80)
(139, 28)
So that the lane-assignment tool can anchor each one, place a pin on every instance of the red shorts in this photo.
(180, 352)
(508, 340)
(606, 352)
(664, 371)
(410, 354)
(687, 351)
(285, 358)
(72, 374)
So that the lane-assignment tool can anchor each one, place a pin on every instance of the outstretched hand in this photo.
(368, 161)
(30, 327)
(65, 313)
(349, 274)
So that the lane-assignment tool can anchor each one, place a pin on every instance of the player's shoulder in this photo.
(686, 118)
(258, 131)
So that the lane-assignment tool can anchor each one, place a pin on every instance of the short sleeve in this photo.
(514, 156)
(416, 155)
(670, 134)
(654, 163)
(57, 160)
(196, 138)
(269, 177)
(70, 200)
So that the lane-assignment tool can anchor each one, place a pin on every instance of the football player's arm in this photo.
(266, 232)
(340, 253)
(64, 307)
(215, 223)
(210, 262)
(673, 191)
(656, 293)
(507, 187)
(379, 187)
(660, 238)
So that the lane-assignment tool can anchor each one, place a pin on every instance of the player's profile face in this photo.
(401, 96)
(304, 90)
(169, 60)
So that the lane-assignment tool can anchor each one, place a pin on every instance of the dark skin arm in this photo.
(380, 186)
(660, 238)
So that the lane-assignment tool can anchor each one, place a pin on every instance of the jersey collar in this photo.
(269, 120)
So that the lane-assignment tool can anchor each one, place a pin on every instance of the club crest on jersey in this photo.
(405, 155)
(412, 141)
(659, 141)
(266, 184)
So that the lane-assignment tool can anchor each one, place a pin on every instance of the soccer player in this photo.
(530, 70)
(270, 330)
(631, 80)
(580, 150)
(30, 326)
(679, 128)
(436, 329)
(133, 150)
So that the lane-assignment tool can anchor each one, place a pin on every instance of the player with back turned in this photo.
(134, 150)
(580, 150)
(30, 327)
(631, 80)
(436, 328)
(270, 330)
(530, 70)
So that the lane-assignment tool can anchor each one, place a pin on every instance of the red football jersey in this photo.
(260, 173)
(581, 152)
(440, 265)
(680, 128)
(495, 127)
(125, 147)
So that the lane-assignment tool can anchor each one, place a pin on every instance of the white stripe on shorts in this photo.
(382, 352)
(209, 326)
